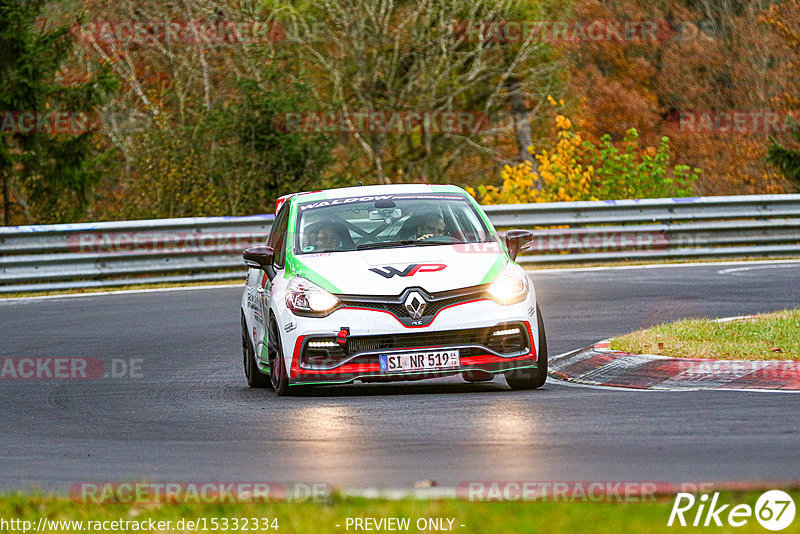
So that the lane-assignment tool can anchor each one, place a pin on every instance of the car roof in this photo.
(366, 190)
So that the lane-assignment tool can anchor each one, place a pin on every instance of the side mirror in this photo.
(516, 240)
(260, 257)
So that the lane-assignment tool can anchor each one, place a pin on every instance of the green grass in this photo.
(553, 518)
(773, 336)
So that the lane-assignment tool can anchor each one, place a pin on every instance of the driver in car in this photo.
(323, 237)
(430, 225)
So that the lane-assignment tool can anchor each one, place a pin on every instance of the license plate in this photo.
(407, 362)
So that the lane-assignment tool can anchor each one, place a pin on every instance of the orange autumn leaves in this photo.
(578, 169)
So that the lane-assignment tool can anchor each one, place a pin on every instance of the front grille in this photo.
(434, 301)
(375, 358)
(474, 336)
(481, 337)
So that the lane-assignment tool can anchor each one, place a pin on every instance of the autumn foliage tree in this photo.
(424, 57)
(48, 172)
(708, 56)
(193, 126)
(578, 169)
(784, 20)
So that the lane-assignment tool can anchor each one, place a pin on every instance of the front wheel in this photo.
(531, 378)
(255, 379)
(277, 365)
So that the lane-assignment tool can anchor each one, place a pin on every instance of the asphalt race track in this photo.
(191, 416)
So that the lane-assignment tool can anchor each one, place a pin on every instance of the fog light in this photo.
(321, 344)
(507, 332)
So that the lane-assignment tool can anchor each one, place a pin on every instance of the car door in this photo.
(276, 240)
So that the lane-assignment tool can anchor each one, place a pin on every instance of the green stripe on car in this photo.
(498, 265)
(311, 197)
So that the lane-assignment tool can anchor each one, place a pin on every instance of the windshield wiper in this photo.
(389, 244)
(405, 243)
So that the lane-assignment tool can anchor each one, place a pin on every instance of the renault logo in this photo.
(415, 304)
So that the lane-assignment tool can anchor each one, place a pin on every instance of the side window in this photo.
(470, 225)
(277, 238)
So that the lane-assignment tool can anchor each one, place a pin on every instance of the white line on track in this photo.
(758, 263)
(754, 267)
(12, 300)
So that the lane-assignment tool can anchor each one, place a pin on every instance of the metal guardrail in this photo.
(34, 258)
(657, 229)
(67, 256)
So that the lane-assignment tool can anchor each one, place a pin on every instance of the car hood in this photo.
(390, 271)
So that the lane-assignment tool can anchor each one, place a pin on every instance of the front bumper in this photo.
(479, 352)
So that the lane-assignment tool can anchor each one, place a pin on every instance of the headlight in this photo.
(510, 287)
(306, 298)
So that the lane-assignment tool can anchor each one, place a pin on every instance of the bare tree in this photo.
(173, 82)
(429, 56)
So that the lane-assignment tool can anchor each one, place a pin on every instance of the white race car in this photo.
(388, 283)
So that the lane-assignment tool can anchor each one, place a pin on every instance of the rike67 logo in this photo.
(774, 510)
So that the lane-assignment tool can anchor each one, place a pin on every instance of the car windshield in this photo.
(387, 221)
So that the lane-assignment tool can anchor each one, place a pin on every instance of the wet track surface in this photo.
(191, 416)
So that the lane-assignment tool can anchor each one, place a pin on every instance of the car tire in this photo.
(277, 366)
(255, 378)
(532, 378)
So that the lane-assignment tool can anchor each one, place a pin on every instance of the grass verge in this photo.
(772, 336)
(301, 518)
